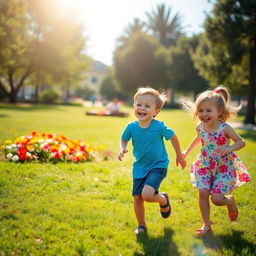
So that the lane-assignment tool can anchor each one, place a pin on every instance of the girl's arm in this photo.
(237, 139)
(195, 142)
(123, 150)
(179, 157)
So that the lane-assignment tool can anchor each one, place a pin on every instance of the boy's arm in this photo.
(123, 150)
(179, 157)
(195, 142)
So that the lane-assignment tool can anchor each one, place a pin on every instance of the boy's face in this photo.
(145, 107)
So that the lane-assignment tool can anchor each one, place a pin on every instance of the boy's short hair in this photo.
(160, 96)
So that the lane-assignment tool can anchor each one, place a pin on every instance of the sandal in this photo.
(203, 230)
(166, 214)
(140, 229)
(232, 214)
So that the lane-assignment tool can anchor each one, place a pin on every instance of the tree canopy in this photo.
(36, 37)
(230, 48)
(141, 63)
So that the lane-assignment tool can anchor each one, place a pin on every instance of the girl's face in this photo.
(208, 113)
(145, 107)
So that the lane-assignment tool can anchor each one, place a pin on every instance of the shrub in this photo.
(49, 96)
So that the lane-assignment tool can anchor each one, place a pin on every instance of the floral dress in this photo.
(210, 171)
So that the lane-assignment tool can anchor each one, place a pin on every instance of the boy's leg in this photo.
(149, 195)
(139, 210)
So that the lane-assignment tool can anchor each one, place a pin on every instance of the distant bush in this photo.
(49, 96)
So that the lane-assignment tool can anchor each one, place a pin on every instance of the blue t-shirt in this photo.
(148, 146)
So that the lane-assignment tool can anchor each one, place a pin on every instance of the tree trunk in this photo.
(250, 112)
(36, 96)
(12, 97)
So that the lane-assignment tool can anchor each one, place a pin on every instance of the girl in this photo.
(217, 170)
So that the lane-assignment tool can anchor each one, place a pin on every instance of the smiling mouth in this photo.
(206, 120)
(142, 114)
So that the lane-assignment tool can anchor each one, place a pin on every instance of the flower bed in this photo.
(47, 147)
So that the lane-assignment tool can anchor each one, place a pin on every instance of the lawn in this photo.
(86, 208)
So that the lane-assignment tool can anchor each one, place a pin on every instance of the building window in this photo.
(94, 79)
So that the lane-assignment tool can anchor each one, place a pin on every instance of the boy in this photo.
(151, 159)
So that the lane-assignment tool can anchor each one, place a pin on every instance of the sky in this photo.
(105, 20)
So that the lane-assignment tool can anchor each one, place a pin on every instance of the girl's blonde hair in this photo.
(160, 96)
(220, 96)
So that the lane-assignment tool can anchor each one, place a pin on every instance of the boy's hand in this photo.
(181, 160)
(121, 154)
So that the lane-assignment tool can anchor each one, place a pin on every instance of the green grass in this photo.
(87, 209)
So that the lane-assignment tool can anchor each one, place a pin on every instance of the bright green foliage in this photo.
(143, 62)
(87, 209)
(227, 53)
(184, 75)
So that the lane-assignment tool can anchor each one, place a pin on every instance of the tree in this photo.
(132, 28)
(214, 64)
(36, 37)
(166, 28)
(143, 62)
(110, 87)
(184, 76)
(232, 27)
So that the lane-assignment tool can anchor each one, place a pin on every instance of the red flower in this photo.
(202, 171)
(221, 140)
(22, 153)
(223, 168)
(56, 155)
(204, 153)
(244, 177)
(212, 164)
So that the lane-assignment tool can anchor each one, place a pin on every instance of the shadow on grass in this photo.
(158, 246)
(30, 107)
(233, 243)
(3, 115)
(251, 135)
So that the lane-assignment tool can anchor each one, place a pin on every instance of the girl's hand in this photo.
(223, 150)
(121, 154)
(184, 153)
(181, 160)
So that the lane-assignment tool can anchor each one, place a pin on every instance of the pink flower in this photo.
(202, 171)
(223, 168)
(221, 140)
(244, 177)
(204, 153)
(212, 164)
(216, 191)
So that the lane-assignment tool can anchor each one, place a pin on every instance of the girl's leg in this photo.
(148, 194)
(205, 206)
(139, 210)
(220, 200)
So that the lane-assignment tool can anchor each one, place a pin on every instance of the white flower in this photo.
(28, 154)
(63, 147)
(15, 158)
(9, 156)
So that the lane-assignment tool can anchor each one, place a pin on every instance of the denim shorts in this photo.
(152, 179)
